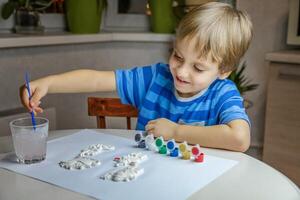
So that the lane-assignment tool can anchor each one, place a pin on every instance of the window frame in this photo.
(114, 21)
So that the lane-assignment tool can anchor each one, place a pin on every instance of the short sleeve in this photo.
(231, 110)
(133, 84)
(230, 106)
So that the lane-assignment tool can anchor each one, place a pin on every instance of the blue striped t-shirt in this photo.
(151, 90)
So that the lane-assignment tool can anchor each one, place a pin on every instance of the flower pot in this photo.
(27, 21)
(84, 16)
(162, 18)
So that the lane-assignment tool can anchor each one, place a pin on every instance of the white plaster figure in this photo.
(79, 163)
(126, 174)
(132, 159)
(95, 149)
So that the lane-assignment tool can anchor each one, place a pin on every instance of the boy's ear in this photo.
(224, 75)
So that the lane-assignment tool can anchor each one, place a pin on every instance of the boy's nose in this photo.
(182, 71)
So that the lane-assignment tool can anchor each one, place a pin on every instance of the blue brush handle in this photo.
(28, 90)
(33, 120)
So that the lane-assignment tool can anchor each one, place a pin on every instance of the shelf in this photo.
(18, 40)
(286, 56)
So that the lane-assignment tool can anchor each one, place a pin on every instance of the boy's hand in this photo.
(38, 89)
(162, 127)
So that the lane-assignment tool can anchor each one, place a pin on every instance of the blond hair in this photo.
(221, 32)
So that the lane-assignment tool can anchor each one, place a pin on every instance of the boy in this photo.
(188, 99)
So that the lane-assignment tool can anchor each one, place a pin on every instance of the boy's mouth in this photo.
(180, 81)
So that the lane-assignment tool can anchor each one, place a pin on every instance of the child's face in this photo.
(191, 73)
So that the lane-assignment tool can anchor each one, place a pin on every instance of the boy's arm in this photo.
(82, 81)
(69, 82)
(233, 136)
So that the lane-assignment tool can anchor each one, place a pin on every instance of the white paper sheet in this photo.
(164, 178)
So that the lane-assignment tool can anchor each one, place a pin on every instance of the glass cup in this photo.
(30, 144)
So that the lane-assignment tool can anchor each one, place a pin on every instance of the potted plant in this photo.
(27, 19)
(164, 15)
(84, 16)
(243, 84)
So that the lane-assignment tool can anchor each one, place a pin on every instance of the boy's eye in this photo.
(198, 69)
(177, 56)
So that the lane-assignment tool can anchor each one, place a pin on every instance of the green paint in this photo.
(159, 142)
(163, 150)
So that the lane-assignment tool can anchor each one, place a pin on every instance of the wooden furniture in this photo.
(110, 107)
(282, 122)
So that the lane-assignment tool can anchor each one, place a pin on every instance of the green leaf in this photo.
(241, 81)
(22, 2)
(8, 9)
(42, 5)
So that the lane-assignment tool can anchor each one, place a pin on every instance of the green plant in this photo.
(84, 16)
(31, 5)
(243, 84)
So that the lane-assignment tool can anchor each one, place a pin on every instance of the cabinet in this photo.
(282, 123)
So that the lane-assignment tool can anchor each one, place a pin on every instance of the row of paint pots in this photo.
(170, 147)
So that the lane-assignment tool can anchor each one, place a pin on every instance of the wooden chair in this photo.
(110, 107)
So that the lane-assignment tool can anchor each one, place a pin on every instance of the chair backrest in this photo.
(111, 107)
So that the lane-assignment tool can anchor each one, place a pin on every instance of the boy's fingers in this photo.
(24, 97)
(38, 109)
(150, 132)
(34, 104)
(35, 98)
(149, 128)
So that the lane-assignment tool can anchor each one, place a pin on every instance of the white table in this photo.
(250, 179)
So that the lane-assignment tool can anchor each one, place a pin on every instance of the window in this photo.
(126, 15)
